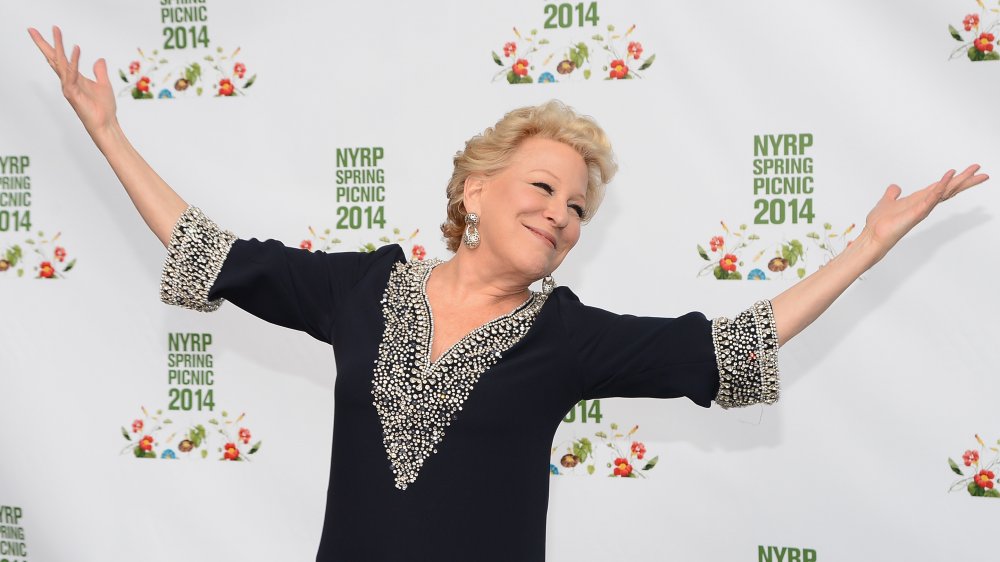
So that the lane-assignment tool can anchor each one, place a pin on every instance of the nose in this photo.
(557, 212)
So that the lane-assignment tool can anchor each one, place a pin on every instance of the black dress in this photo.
(428, 435)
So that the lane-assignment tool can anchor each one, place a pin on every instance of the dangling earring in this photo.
(471, 237)
(548, 284)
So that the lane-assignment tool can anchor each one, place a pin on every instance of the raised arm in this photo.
(885, 225)
(94, 103)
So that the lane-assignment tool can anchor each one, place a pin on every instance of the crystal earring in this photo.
(471, 237)
(548, 284)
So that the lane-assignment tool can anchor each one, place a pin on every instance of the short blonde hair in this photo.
(490, 152)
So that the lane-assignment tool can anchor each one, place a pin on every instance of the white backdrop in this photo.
(878, 394)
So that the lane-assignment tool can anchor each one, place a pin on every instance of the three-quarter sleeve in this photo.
(730, 361)
(290, 287)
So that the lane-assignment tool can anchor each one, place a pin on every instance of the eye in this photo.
(579, 210)
(543, 185)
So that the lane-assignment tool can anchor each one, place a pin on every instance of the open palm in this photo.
(893, 216)
(93, 100)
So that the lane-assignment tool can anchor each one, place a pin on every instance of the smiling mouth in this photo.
(547, 237)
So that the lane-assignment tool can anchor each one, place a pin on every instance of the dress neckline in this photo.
(427, 363)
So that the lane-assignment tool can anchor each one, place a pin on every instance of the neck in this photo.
(469, 277)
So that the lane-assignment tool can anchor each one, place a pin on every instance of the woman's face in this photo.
(530, 213)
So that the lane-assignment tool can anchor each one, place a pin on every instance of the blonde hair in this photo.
(490, 152)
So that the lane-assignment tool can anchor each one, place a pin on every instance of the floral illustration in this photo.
(47, 259)
(325, 242)
(533, 58)
(145, 441)
(980, 41)
(982, 478)
(726, 250)
(621, 455)
(185, 79)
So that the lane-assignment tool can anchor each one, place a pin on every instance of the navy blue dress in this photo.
(462, 501)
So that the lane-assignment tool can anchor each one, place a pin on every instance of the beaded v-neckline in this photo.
(429, 362)
(416, 399)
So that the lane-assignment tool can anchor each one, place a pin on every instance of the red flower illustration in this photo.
(984, 43)
(521, 67)
(419, 252)
(306, 245)
(240, 69)
(134, 67)
(509, 49)
(146, 444)
(635, 49)
(136, 426)
(638, 449)
(618, 69)
(245, 435)
(622, 467)
(984, 479)
(728, 262)
(232, 453)
(46, 270)
(226, 87)
(970, 457)
(143, 84)
(716, 242)
(60, 253)
(970, 21)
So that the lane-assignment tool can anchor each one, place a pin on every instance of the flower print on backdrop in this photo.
(610, 453)
(156, 436)
(546, 57)
(37, 257)
(981, 479)
(741, 253)
(980, 40)
(324, 241)
(218, 75)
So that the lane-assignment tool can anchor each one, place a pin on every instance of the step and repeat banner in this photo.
(752, 138)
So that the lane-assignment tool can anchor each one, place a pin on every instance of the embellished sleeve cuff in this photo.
(197, 250)
(746, 349)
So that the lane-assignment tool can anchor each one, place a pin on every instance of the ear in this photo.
(472, 196)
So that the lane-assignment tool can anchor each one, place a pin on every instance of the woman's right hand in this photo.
(93, 101)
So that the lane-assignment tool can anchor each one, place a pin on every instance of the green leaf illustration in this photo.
(954, 467)
(204, 453)
(586, 74)
(121, 74)
(703, 253)
(993, 55)
(250, 81)
(719, 273)
(652, 462)
(954, 33)
(975, 54)
(496, 58)
(975, 490)
(598, 37)
(255, 448)
(125, 434)
(511, 77)
(992, 493)
(590, 469)
(648, 62)
(801, 272)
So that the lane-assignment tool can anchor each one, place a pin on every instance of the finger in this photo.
(971, 182)
(74, 65)
(42, 44)
(960, 178)
(60, 57)
(101, 72)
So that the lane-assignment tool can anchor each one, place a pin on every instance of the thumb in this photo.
(101, 72)
(892, 193)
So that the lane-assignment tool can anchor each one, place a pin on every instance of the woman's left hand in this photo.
(893, 217)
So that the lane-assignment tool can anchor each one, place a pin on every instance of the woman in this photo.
(432, 357)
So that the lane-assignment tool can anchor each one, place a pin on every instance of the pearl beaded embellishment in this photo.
(746, 349)
(195, 254)
(417, 400)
